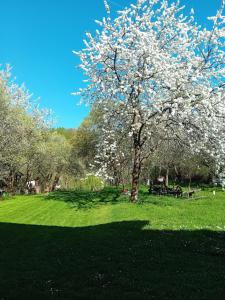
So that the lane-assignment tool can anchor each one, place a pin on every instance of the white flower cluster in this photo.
(154, 70)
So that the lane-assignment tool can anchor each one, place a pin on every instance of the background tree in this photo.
(84, 143)
(28, 147)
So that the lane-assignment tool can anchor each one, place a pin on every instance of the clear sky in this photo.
(37, 38)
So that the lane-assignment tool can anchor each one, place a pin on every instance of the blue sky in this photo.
(37, 39)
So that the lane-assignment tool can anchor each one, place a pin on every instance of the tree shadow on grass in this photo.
(86, 199)
(116, 260)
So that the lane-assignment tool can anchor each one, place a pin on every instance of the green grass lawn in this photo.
(80, 245)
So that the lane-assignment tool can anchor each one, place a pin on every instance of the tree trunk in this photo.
(189, 185)
(136, 173)
(160, 170)
(28, 178)
(138, 142)
(10, 183)
(167, 177)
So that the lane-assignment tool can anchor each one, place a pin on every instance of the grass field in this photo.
(79, 245)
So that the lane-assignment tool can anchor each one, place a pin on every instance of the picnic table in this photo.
(158, 186)
(165, 190)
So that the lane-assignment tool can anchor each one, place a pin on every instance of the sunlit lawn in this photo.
(84, 245)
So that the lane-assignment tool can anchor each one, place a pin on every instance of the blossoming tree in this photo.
(164, 75)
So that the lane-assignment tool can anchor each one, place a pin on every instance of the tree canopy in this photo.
(157, 76)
